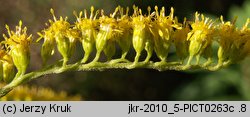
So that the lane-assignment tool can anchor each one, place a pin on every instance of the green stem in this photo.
(93, 66)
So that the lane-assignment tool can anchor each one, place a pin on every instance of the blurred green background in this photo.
(232, 83)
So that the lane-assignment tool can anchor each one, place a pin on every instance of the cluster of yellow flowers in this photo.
(153, 31)
(34, 93)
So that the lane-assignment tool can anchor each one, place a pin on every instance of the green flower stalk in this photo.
(18, 44)
(88, 28)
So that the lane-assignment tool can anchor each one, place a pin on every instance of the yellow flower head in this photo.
(109, 24)
(227, 34)
(244, 42)
(107, 34)
(233, 41)
(48, 45)
(19, 37)
(142, 24)
(18, 45)
(88, 27)
(244, 34)
(56, 27)
(142, 33)
(87, 23)
(124, 24)
(201, 38)
(49, 39)
(202, 29)
(140, 21)
(166, 22)
(59, 26)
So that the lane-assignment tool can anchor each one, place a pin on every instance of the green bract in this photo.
(7, 71)
(21, 58)
(48, 45)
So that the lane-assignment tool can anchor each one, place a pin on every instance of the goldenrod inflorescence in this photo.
(154, 31)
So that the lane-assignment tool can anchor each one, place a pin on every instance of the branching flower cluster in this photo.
(153, 32)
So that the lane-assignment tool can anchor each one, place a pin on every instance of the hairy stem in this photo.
(93, 66)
